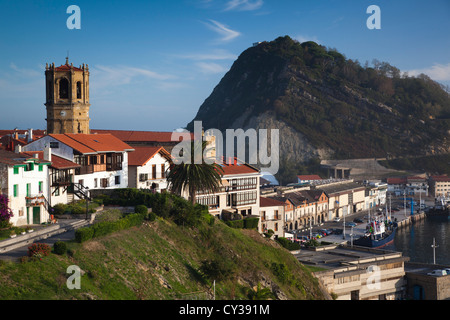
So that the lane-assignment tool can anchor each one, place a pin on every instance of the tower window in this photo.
(78, 90)
(64, 89)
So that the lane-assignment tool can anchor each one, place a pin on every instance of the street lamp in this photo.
(434, 246)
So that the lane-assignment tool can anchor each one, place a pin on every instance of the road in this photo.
(360, 228)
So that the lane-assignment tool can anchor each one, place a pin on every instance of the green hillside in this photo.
(355, 110)
(162, 260)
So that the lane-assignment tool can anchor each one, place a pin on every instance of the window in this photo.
(143, 177)
(81, 181)
(78, 90)
(29, 167)
(64, 88)
(104, 182)
(56, 193)
(16, 190)
(117, 180)
(54, 144)
(95, 183)
(163, 172)
(16, 170)
(41, 186)
(154, 171)
(41, 167)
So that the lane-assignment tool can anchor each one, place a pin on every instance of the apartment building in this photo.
(24, 179)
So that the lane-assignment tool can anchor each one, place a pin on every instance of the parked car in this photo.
(357, 220)
(325, 232)
(437, 273)
(317, 235)
(337, 219)
(302, 239)
(350, 224)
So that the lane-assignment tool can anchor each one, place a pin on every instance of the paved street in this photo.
(360, 228)
(16, 254)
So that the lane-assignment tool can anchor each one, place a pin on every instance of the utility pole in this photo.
(434, 246)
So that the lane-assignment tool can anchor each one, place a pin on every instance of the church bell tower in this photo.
(67, 98)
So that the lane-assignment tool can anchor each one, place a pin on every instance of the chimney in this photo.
(18, 149)
(30, 135)
(47, 153)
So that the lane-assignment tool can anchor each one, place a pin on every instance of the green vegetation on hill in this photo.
(162, 259)
(434, 165)
(356, 111)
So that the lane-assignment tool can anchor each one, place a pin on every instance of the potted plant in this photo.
(12, 234)
(29, 230)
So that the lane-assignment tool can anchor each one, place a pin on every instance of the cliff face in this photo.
(327, 106)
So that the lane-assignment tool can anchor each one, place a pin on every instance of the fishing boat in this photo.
(441, 209)
(379, 233)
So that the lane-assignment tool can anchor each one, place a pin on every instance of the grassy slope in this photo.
(160, 260)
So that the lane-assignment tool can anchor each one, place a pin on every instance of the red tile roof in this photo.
(92, 143)
(140, 136)
(269, 202)
(396, 180)
(309, 177)
(57, 161)
(237, 167)
(442, 178)
(141, 155)
(66, 67)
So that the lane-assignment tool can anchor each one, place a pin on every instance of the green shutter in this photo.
(16, 190)
(28, 189)
(41, 167)
(40, 186)
(16, 170)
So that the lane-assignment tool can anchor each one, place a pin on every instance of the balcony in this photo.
(91, 169)
(35, 200)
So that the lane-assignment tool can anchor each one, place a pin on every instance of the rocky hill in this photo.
(327, 106)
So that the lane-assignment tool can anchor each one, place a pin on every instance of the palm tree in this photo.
(195, 177)
(258, 293)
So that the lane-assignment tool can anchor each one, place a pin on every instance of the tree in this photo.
(258, 293)
(195, 177)
(5, 212)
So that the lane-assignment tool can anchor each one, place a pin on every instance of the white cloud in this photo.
(226, 33)
(119, 75)
(210, 67)
(305, 38)
(437, 72)
(244, 5)
(214, 55)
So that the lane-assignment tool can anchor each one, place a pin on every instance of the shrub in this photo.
(237, 224)
(289, 245)
(84, 234)
(39, 250)
(280, 271)
(78, 210)
(151, 216)
(217, 269)
(60, 247)
(60, 208)
(141, 209)
(251, 223)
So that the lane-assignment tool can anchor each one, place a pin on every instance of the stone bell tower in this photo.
(67, 98)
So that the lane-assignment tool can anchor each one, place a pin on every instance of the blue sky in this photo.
(153, 63)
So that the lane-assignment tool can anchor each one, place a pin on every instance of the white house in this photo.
(61, 176)
(147, 167)
(103, 158)
(239, 192)
(24, 180)
(271, 213)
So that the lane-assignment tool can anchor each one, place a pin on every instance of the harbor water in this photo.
(416, 239)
